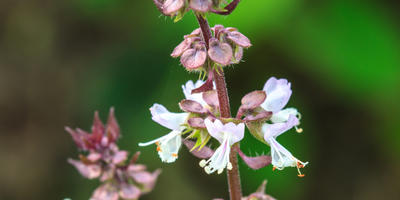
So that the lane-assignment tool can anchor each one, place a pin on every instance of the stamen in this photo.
(207, 169)
(159, 149)
(203, 163)
(273, 168)
(174, 155)
(298, 130)
(229, 166)
(299, 165)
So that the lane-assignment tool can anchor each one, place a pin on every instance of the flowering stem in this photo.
(235, 191)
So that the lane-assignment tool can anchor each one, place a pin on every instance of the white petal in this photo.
(163, 138)
(283, 115)
(187, 91)
(167, 119)
(220, 159)
(236, 132)
(168, 146)
(278, 94)
(281, 157)
(276, 129)
(215, 129)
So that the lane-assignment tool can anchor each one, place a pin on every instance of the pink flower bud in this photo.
(220, 52)
(194, 58)
(200, 5)
(192, 107)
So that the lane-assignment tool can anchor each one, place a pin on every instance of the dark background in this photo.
(62, 60)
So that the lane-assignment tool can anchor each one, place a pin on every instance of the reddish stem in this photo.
(235, 190)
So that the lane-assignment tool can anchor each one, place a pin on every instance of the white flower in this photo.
(227, 134)
(167, 145)
(281, 157)
(278, 94)
(187, 91)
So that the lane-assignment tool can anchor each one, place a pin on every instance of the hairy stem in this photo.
(235, 190)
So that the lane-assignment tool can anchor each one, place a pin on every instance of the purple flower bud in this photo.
(211, 98)
(196, 122)
(182, 47)
(129, 191)
(101, 136)
(194, 58)
(146, 179)
(239, 39)
(112, 127)
(253, 99)
(120, 157)
(89, 171)
(220, 52)
(192, 106)
(261, 116)
(170, 7)
(106, 191)
(200, 5)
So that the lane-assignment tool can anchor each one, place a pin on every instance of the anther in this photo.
(301, 175)
(203, 163)
(273, 168)
(298, 130)
(158, 148)
(174, 155)
(229, 166)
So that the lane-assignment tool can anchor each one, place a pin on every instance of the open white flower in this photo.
(281, 157)
(278, 94)
(168, 145)
(227, 134)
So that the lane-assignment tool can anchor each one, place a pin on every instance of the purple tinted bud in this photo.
(200, 5)
(106, 191)
(89, 171)
(196, 122)
(239, 39)
(194, 58)
(211, 98)
(253, 99)
(220, 52)
(129, 191)
(170, 7)
(181, 48)
(192, 107)
(261, 116)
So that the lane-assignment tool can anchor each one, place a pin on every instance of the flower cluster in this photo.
(225, 48)
(120, 178)
(261, 111)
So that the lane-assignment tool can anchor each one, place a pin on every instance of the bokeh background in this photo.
(62, 60)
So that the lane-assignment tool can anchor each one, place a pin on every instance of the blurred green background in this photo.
(62, 60)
